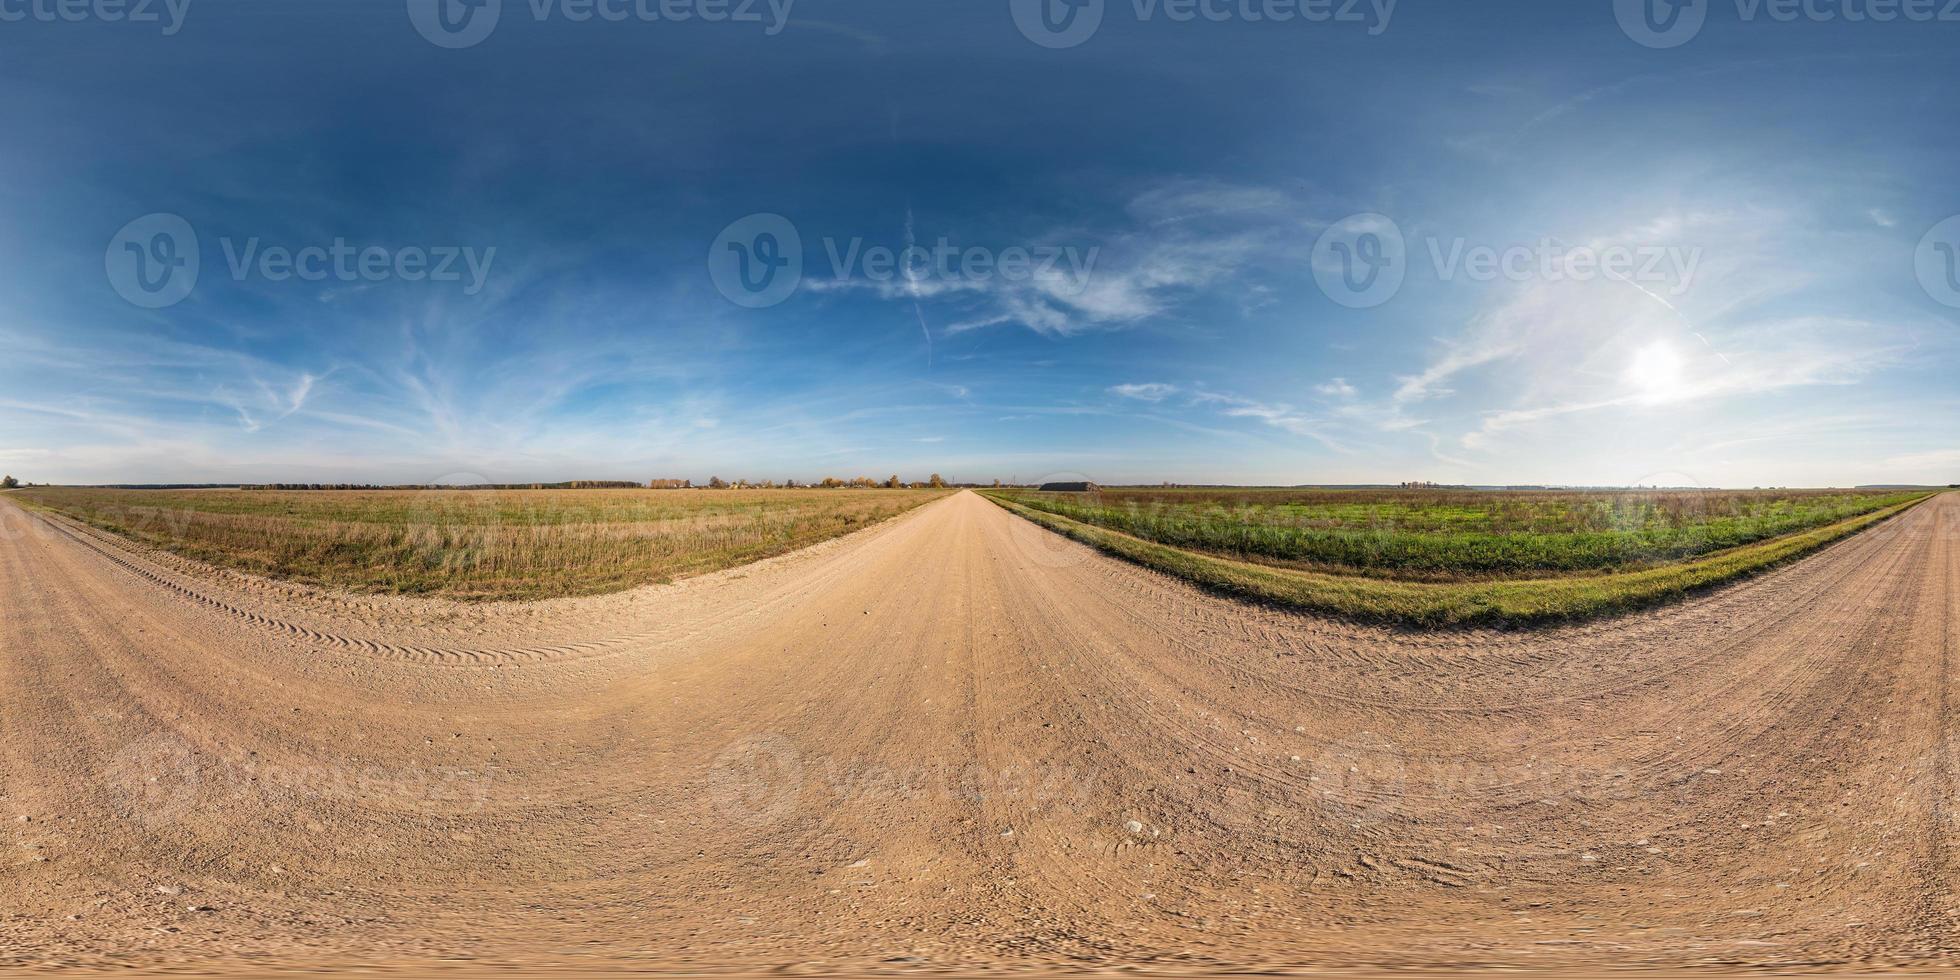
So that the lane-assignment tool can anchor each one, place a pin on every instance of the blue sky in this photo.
(1766, 200)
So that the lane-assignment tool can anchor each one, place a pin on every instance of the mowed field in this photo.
(1434, 557)
(477, 544)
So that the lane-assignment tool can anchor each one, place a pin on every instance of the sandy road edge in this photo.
(452, 968)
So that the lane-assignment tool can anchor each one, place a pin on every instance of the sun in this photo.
(1655, 372)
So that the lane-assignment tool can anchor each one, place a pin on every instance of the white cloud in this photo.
(1192, 199)
(1148, 392)
(1429, 382)
(1278, 415)
(1189, 235)
(1337, 388)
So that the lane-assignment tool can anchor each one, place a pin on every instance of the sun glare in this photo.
(1655, 372)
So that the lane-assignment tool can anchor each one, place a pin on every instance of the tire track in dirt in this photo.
(410, 654)
(125, 556)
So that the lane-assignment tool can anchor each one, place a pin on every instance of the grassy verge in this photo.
(1444, 535)
(1454, 604)
(476, 544)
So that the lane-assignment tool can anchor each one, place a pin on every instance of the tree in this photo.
(9, 483)
(936, 482)
(717, 483)
(893, 483)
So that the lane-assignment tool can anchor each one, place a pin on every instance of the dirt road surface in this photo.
(956, 740)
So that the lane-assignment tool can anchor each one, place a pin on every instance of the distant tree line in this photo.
(567, 485)
(933, 482)
(827, 483)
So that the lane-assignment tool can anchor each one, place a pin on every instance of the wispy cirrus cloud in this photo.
(1432, 381)
(1148, 392)
(1277, 415)
(1192, 199)
(1337, 388)
(1183, 237)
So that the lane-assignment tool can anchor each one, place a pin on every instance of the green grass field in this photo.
(477, 544)
(1442, 535)
(1436, 558)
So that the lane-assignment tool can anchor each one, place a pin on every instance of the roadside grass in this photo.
(1457, 535)
(1435, 604)
(477, 544)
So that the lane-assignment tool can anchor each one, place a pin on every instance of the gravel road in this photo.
(956, 740)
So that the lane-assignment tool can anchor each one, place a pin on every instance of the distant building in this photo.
(1069, 487)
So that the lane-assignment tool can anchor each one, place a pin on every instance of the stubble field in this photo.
(477, 544)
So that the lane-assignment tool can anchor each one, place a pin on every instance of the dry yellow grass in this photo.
(478, 544)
